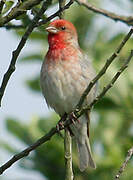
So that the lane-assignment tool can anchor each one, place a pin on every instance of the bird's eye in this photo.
(63, 27)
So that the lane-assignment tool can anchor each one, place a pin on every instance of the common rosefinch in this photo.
(65, 74)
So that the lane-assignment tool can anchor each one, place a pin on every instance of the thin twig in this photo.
(2, 2)
(27, 150)
(61, 5)
(65, 124)
(68, 155)
(107, 87)
(18, 10)
(55, 14)
(21, 44)
(26, 5)
(122, 168)
(11, 26)
(104, 69)
(39, 142)
(125, 19)
(16, 53)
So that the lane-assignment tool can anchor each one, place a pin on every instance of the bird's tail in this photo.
(83, 144)
(85, 155)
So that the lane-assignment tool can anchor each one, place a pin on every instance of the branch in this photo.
(27, 150)
(18, 10)
(106, 88)
(122, 168)
(104, 69)
(68, 155)
(79, 112)
(55, 14)
(21, 8)
(65, 123)
(39, 142)
(16, 53)
(125, 19)
(13, 26)
(61, 5)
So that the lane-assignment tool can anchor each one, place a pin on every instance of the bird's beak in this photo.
(52, 30)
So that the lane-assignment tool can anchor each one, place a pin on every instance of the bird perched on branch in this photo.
(65, 74)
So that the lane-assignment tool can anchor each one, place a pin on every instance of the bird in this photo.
(65, 74)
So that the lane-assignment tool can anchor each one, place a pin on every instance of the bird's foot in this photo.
(73, 118)
(60, 124)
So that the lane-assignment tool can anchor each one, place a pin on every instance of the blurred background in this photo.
(25, 116)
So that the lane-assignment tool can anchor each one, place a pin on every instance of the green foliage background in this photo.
(111, 124)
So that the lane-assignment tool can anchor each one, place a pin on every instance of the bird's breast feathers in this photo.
(63, 82)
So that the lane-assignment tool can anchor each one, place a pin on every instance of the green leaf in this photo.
(24, 18)
(32, 58)
(19, 130)
(8, 147)
(34, 84)
(46, 123)
(106, 103)
(35, 35)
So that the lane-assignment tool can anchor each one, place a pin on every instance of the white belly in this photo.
(63, 84)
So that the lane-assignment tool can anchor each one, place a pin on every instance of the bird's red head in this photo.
(61, 33)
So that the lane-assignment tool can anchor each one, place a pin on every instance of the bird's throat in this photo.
(56, 42)
(61, 49)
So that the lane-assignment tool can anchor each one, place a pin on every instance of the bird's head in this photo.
(61, 33)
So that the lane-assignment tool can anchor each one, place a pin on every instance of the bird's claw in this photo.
(60, 124)
(73, 118)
